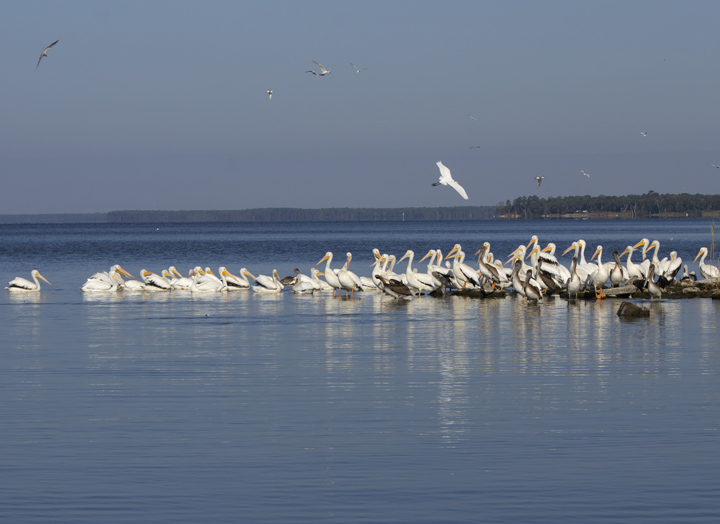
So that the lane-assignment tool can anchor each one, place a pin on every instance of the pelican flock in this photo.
(531, 272)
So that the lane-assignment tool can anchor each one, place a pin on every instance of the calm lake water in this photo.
(247, 408)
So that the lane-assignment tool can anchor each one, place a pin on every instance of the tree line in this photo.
(651, 204)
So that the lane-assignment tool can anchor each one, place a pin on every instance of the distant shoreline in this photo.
(465, 213)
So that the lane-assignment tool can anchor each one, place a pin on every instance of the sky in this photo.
(163, 104)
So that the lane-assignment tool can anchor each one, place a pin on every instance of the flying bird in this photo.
(357, 69)
(270, 92)
(44, 52)
(323, 71)
(311, 71)
(583, 172)
(643, 133)
(472, 117)
(715, 166)
(539, 180)
(474, 147)
(446, 179)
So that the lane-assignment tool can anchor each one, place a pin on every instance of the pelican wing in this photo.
(21, 283)
(457, 187)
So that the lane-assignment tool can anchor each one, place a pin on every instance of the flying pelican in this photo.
(539, 180)
(270, 92)
(357, 69)
(585, 173)
(472, 117)
(323, 71)
(706, 270)
(446, 179)
(21, 284)
(44, 52)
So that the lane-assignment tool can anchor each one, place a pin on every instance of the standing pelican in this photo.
(706, 270)
(21, 284)
(349, 281)
(44, 52)
(616, 273)
(601, 274)
(446, 179)
(418, 281)
(573, 285)
(531, 288)
(654, 289)
(539, 180)
(330, 276)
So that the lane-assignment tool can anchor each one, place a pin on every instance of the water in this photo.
(247, 408)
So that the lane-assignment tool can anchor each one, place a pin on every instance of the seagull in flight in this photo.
(357, 69)
(539, 180)
(323, 71)
(311, 71)
(270, 92)
(472, 117)
(583, 172)
(44, 52)
(474, 147)
(643, 133)
(446, 179)
(715, 166)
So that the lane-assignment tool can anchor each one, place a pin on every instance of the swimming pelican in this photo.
(21, 284)
(266, 284)
(539, 180)
(44, 52)
(306, 284)
(204, 285)
(323, 71)
(446, 179)
(234, 282)
(155, 282)
(105, 280)
(330, 276)
(706, 270)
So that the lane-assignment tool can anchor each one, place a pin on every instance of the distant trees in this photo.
(636, 206)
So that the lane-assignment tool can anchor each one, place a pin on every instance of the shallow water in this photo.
(240, 407)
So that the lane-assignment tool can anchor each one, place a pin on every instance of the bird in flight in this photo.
(472, 117)
(584, 173)
(539, 180)
(311, 71)
(446, 179)
(474, 147)
(44, 52)
(323, 71)
(270, 92)
(643, 133)
(715, 166)
(357, 69)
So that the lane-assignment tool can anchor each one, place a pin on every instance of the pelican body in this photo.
(23, 285)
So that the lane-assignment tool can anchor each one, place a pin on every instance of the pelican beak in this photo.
(43, 278)
(452, 252)
(176, 273)
(320, 273)
(698, 255)
(423, 258)
(403, 257)
(596, 252)
(124, 273)
(641, 243)
(248, 274)
(547, 248)
(569, 249)
(627, 250)
(323, 259)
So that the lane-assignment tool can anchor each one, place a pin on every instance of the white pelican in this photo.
(306, 284)
(234, 282)
(105, 280)
(266, 284)
(204, 285)
(349, 281)
(547, 280)
(44, 52)
(155, 282)
(634, 271)
(539, 180)
(181, 282)
(437, 278)
(672, 266)
(418, 281)
(490, 271)
(706, 270)
(323, 71)
(601, 274)
(330, 276)
(463, 273)
(21, 284)
(655, 260)
(446, 179)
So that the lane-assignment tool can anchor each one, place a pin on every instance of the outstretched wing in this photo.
(457, 187)
(445, 175)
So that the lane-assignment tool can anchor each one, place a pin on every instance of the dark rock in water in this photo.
(628, 309)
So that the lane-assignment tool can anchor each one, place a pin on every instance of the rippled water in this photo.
(247, 408)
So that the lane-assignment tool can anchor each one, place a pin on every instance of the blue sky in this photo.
(163, 105)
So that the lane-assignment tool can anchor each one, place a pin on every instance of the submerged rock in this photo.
(628, 309)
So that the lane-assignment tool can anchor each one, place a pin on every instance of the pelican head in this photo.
(703, 251)
(247, 273)
(454, 251)
(328, 256)
(574, 246)
(533, 240)
(36, 273)
(122, 272)
(598, 251)
(430, 254)
(644, 243)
